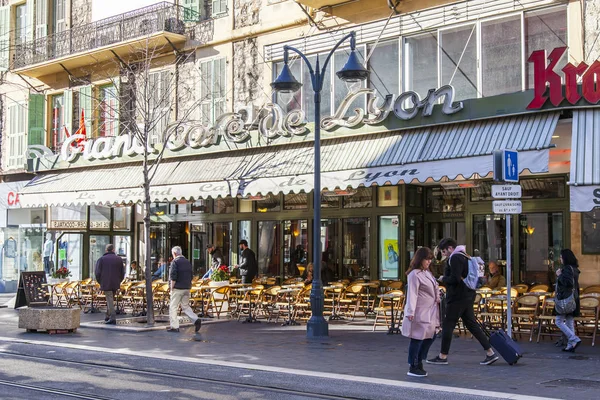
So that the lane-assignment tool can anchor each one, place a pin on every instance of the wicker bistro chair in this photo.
(331, 300)
(161, 298)
(546, 321)
(350, 302)
(369, 298)
(58, 294)
(591, 289)
(250, 302)
(218, 299)
(270, 306)
(383, 312)
(301, 304)
(587, 322)
(539, 288)
(521, 288)
(526, 313)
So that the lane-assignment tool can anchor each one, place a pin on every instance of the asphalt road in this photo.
(44, 372)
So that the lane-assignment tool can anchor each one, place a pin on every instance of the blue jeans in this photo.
(417, 350)
(567, 325)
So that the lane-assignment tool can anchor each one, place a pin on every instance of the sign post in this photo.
(506, 169)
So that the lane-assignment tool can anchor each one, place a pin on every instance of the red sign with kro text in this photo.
(547, 83)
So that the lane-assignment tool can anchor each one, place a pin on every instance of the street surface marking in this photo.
(266, 368)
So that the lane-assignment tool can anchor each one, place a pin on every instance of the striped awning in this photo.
(417, 155)
(585, 160)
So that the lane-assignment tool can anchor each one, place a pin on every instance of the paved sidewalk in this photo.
(350, 350)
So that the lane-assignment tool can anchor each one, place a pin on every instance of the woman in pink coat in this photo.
(421, 311)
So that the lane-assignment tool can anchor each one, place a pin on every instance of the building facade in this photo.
(403, 165)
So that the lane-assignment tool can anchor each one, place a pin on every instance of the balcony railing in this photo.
(160, 17)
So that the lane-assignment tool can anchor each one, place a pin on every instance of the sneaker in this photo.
(197, 325)
(490, 359)
(110, 322)
(438, 361)
(175, 330)
(417, 372)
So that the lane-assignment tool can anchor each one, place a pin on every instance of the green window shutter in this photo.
(68, 110)
(85, 104)
(30, 12)
(4, 37)
(37, 112)
(192, 10)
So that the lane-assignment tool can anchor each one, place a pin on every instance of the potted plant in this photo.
(220, 276)
(60, 274)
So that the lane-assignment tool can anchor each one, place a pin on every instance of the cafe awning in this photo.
(416, 155)
(585, 160)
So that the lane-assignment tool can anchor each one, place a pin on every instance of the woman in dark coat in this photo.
(567, 283)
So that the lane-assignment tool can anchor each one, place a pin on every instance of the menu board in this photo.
(32, 290)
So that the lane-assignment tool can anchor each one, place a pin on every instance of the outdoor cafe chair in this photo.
(301, 304)
(58, 294)
(218, 297)
(521, 288)
(350, 303)
(71, 291)
(383, 312)
(546, 320)
(587, 322)
(539, 288)
(331, 299)
(591, 289)
(162, 297)
(270, 303)
(526, 313)
(250, 303)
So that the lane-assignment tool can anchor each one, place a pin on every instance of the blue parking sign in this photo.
(510, 166)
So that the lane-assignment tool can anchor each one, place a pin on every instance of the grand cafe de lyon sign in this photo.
(271, 123)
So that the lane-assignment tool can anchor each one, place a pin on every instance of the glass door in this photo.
(269, 248)
(70, 254)
(222, 237)
(199, 239)
(356, 248)
(296, 249)
(331, 248)
(97, 247)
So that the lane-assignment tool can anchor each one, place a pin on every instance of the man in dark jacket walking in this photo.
(180, 278)
(110, 272)
(248, 265)
(459, 303)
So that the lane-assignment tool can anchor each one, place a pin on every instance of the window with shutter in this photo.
(85, 104)
(158, 114)
(109, 111)
(41, 18)
(16, 138)
(37, 108)
(219, 7)
(192, 10)
(4, 37)
(213, 93)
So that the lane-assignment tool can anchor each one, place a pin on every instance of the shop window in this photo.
(223, 206)
(388, 196)
(159, 209)
(414, 196)
(70, 253)
(421, 67)
(444, 200)
(536, 188)
(268, 203)
(22, 251)
(489, 237)
(459, 60)
(415, 235)
(290, 101)
(359, 198)
(199, 207)
(384, 68)
(99, 218)
(68, 217)
(245, 232)
(590, 232)
(245, 206)
(122, 218)
(545, 30)
(297, 201)
(178, 208)
(389, 247)
(330, 200)
(501, 56)
(540, 243)
(222, 237)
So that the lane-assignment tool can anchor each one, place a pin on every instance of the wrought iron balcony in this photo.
(164, 20)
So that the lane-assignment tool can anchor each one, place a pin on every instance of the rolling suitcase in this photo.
(508, 348)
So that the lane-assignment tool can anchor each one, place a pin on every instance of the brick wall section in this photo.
(591, 15)
(247, 74)
(246, 12)
(81, 12)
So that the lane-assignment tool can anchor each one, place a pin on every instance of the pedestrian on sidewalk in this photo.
(567, 284)
(459, 303)
(110, 272)
(180, 279)
(421, 311)
(248, 266)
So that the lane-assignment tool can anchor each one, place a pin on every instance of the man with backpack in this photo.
(460, 278)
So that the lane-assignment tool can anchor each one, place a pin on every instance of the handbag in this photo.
(568, 305)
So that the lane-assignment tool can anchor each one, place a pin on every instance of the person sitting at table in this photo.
(307, 275)
(495, 280)
(133, 271)
(161, 271)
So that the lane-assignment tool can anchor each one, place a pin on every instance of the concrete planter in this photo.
(50, 319)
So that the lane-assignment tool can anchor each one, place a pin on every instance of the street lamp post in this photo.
(353, 71)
